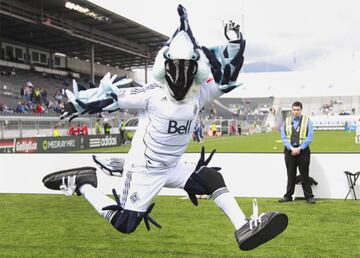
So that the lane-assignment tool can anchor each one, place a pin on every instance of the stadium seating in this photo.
(250, 110)
(50, 82)
(11, 85)
(325, 105)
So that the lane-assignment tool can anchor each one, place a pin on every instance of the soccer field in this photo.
(58, 226)
(324, 141)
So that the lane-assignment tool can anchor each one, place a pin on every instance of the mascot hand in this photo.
(94, 100)
(226, 62)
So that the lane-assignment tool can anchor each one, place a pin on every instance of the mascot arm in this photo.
(133, 97)
(95, 100)
(209, 91)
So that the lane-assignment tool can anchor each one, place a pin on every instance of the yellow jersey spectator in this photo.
(56, 132)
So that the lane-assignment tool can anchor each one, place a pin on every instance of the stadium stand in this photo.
(21, 88)
(45, 44)
(331, 99)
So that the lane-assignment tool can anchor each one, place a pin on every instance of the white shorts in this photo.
(140, 187)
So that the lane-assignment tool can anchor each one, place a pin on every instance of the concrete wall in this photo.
(247, 175)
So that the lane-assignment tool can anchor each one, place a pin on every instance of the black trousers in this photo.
(301, 161)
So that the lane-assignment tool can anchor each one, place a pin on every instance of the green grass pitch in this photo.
(58, 226)
(324, 141)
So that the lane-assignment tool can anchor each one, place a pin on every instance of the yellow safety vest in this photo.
(303, 128)
(98, 128)
(56, 133)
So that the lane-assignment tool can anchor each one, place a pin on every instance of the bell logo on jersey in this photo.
(179, 129)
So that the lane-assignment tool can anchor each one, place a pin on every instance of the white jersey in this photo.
(165, 126)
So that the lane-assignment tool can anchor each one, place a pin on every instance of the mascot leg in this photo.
(249, 233)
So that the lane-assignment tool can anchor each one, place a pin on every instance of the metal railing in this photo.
(32, 126)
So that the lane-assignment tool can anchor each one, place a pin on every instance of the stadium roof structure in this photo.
(78, 28)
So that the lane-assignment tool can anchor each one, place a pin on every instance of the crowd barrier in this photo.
(246, 174)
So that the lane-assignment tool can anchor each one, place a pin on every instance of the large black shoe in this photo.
(83, 175)
(270, 225)
(286, 199)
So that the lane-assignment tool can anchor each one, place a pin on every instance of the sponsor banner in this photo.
(59, 144)
(7, 146)
(74, 143)
(26, 145)
(102, 141)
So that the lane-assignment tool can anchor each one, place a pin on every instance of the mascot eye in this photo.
(166, 54)
(195, 55)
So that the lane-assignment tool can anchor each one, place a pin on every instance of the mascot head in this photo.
(181, 66)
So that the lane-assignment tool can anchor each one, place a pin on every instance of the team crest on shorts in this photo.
(134, 197)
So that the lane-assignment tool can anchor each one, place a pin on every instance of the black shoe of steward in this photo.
(286, 199)
(84, 175)
(271, 225)
(311, 200)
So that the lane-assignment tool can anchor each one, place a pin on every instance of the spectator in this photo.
(98, 129)
(232, 129)
(29, 106)
(19, 108)
(43, 95)
(85, 130)
(49, 104)
(107, 127)
(357, 135)
(28, 91)
(196, 133)
(56, 132)
(39, 109)
(122, 130)
(37, 95)
(71, 130)
(213, 129)
(58, 96)
(7, 109)
(58, 106)
(201, 130)
(78, 130)
(239, 128)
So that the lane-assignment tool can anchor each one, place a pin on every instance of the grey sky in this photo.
(321, 34)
